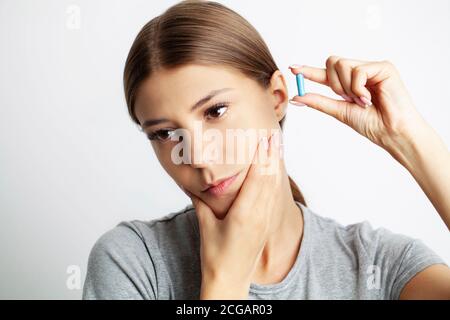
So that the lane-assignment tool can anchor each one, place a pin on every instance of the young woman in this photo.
(249, 233)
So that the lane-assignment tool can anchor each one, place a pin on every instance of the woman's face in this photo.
(240, 109)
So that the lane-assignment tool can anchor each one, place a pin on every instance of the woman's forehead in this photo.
(194, 76)
(186, 85)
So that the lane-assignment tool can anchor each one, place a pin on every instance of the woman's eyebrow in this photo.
(198, 104)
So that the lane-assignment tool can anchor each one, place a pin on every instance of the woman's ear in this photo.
(279, 93)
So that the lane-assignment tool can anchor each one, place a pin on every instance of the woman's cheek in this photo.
(163, 154)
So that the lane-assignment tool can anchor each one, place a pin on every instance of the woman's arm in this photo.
(378, 106)
(393, 123)
(423, 153)
(426, 157)
(431, 283)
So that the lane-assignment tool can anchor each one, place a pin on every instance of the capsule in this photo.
(300, 84)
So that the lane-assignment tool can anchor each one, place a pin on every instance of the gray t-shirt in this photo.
(160, 259)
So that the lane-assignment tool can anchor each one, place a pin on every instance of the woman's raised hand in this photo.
(376, 103)
(231, 247)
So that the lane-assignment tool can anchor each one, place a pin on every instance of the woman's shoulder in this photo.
(362, 231)
(367, 250)
(156, 232)
(360, 237)
(126, 260)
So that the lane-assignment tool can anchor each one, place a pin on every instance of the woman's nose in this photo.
(199, 158)
(204, 155)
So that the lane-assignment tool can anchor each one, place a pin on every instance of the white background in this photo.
(73, 165)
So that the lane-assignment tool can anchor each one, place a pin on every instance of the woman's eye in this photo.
(161, 135)
(214, 112)
(217, 110)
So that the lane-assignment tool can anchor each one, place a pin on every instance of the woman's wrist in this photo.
(409, 145)
(418, 147)
(424, 154)
(214, 288)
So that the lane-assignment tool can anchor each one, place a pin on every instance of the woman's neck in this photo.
(283, 244)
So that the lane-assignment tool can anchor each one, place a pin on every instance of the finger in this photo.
(249, 191)
(259, 183)
(261, 158)
(369, 75)
(333, 78)
(344, 71)
(274, 155)
(268, 186)
(276, 145)
(318, 75)
(250, 188)
(338, 109)
(204, 213)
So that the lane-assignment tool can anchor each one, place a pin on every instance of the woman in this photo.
(249, 233)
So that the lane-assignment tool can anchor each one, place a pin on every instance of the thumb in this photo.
(338, 109)
(204, 213)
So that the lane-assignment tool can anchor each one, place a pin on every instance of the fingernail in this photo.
(359, 102)
(294, 66)
(297, 103)
(346, 98)
(277, 136)
(264, 141)
(273, 137)
(367, 102)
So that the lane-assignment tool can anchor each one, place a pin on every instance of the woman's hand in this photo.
(231, 247)
(376, 103)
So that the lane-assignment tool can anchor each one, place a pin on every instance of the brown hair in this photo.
(200, 32)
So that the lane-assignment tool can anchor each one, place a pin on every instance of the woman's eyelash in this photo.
(156, 134)
(217, 106)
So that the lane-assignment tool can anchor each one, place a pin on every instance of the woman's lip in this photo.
(220, 181)
(221, 187)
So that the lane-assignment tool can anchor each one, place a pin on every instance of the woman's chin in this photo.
(221, 205)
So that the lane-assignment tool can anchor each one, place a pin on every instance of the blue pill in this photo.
(300, 84)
